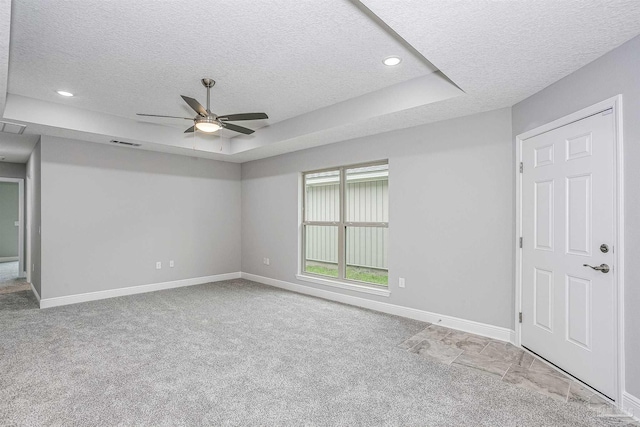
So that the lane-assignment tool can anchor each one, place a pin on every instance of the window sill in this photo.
(343, 285)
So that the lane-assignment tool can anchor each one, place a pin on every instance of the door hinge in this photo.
(521, 167)
(521, 243)
(520, 317)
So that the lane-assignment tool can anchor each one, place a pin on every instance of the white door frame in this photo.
(21, 238)
(614, 103)
(29, 209)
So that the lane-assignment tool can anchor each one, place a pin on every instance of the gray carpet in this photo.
(241, 353)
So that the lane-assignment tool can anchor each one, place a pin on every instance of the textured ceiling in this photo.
(500, 52)
(5, 25)
(291, 58)
(507, 49)
(121, 57)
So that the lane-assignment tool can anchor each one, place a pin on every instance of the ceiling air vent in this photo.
(128, 144)
(14, 128)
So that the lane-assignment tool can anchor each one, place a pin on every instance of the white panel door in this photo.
(568, 195)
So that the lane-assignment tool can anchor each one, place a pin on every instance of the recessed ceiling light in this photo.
(64, 93)
(391, 61)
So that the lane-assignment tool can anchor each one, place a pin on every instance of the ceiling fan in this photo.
(208, 122)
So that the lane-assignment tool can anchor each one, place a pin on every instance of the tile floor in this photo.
(511, 364)
(9, 280)
(15, 288)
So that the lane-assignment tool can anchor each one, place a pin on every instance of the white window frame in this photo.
(341, 281)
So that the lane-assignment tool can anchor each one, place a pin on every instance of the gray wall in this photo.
(8, 216)
(109, 213)
(33, 191)
(617, 72)
(451, 211)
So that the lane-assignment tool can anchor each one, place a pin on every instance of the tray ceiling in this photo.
(314, 67)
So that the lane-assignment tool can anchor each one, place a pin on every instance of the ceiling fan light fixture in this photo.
(208, 122)
(392, 60)
(208, 125)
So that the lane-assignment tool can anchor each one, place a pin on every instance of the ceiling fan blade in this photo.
(237, 128)
(245, 116)
(191, 129)
(168, 117)
(197, 107)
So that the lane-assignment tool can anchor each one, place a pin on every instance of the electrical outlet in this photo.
(171, 264)
(266, 261)
(158, 265)
(401, 282)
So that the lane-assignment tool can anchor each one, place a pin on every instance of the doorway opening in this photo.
(12, 236)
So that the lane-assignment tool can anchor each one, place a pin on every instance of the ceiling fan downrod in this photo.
(208, 83)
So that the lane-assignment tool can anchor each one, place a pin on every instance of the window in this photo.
(345, 230)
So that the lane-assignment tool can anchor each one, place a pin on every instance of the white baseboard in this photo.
(512, 337)
(33, 289)
(9, 258)
(631, 404)
(92, 296)
(490, 331)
